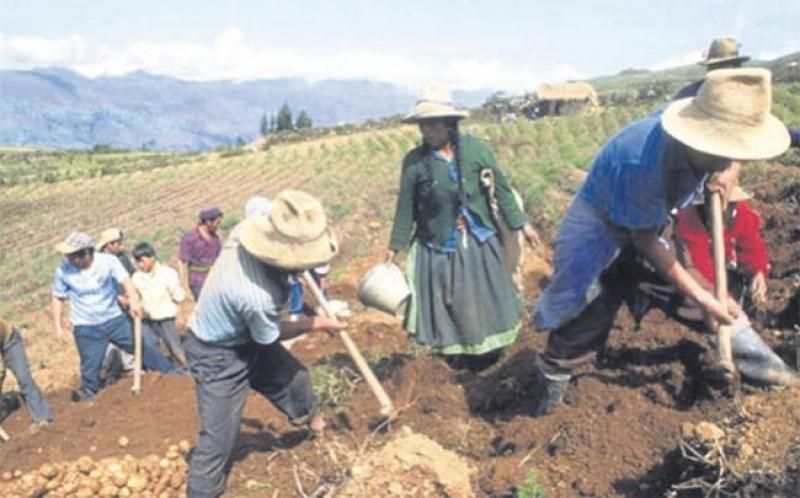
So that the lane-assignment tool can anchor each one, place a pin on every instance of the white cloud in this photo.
(230, 56)
(677, 60)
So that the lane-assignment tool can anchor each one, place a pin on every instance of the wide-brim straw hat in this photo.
(723, 50)
(74, 242)
(294, 235)
(737, 195)
(434, 102)
(107, 236)
(730, 116)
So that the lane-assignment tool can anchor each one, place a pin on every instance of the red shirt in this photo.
(744, 247)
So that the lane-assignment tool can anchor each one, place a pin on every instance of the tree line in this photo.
(273, 123)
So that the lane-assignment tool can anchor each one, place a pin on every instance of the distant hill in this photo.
(62, 109)
(669, 81)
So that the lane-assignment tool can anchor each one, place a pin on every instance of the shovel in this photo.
(721, 287)
(387, 408)
(137, 355)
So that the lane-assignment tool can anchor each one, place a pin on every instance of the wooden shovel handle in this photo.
(720, 280)
(137, 355)
(387, 408)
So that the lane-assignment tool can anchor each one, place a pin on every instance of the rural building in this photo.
(563, 98)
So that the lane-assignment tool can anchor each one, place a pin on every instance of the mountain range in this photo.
(58, 108)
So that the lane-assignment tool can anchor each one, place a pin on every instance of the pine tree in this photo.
(284, 121)
(303, 121)
(264, 125)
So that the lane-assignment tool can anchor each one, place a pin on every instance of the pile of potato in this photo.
(149, 477)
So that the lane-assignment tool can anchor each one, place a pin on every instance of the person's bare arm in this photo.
(308, 324)
(183, 274)
(134, 300)
(651, 246)
(58, 310)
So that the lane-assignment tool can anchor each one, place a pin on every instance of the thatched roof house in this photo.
(575, 91)
(563, 98)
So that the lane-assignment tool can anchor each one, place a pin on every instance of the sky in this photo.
(511, 45)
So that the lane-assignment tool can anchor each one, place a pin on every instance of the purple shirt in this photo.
(198, 254)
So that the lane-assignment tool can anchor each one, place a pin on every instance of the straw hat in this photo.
(434, 102)
(725, 49)
(730, 116)
(738, 194)
(74, 242)
(107, 236)
(293, 235)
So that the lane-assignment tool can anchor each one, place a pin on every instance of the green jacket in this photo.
(429, 199)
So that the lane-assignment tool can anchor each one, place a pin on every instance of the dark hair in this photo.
(455, 142)
(143, 249)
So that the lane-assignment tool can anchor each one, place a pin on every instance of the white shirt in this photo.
(160, 290)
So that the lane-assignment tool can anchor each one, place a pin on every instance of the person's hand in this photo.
(390, 256)
(758, 288)
(136, 308)
(724, 181)
(60, 335)
(531, 235)
(123, 300)
(724, 313)
(327, 323)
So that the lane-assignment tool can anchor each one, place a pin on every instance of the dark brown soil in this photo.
(618, 434)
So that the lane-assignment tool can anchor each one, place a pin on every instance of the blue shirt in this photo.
(92, 292)
(640, 175)
(241, 299)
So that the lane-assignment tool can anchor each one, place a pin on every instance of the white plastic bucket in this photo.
(384, 287)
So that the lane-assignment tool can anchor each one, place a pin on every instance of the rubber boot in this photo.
(755, 360)
(551, 396)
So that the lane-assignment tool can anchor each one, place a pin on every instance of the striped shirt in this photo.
(241, 300)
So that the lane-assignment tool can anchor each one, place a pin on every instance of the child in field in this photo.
(161, 290)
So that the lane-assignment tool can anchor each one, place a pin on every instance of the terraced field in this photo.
(617, 436)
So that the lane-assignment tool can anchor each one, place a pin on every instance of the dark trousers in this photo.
(579, 340)
(223, 376)
(17, 361)
(165, 332)
(92, 341)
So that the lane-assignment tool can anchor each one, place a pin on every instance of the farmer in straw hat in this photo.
(464, 303)
(110, 241)
(234, 339)
(723, 53)
(747, 268)
(89, 282)
(648, 168)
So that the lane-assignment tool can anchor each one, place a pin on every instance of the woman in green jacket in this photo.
(463, 305)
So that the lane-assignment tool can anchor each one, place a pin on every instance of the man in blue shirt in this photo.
(89, 282)
(650, 167)
(235, 332)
